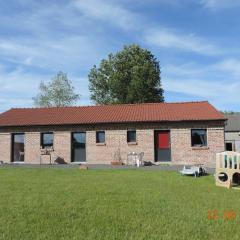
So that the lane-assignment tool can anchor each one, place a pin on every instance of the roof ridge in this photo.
(109, 105)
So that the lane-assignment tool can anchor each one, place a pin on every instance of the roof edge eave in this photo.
(120, 122)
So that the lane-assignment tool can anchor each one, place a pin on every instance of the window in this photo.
(229, 146)
(46, 140)
(131, 136)
(199, 137)
(18, 146)
(100, 137)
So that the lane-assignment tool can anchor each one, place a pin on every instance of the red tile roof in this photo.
(147, 112)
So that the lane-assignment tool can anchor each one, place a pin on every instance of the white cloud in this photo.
(48, 40)
(166, 38)
(112, 13)
(209, 82)
(205, 88)
(220, 4)
(54, 39)
(189, 69)
(19, 86)
(230, 66)
(68, 53)
(73, 35)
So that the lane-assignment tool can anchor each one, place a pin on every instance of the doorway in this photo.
(162, 146)
(79, 147)
(18, 145)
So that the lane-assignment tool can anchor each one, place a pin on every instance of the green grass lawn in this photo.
(113, 204)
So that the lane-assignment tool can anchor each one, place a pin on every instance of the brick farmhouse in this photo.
(178, 133)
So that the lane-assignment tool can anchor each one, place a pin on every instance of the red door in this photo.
(162, 146)
(163, 140)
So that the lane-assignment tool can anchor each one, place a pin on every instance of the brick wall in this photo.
(184, 153)
(32, 147)
(5, 147)
(116, 138)
(62, 146)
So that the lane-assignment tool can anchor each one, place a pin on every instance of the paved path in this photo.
(165, 167)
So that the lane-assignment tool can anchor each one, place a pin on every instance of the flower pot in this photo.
(116, 163)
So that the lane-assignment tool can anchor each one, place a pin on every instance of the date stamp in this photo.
(227, 214)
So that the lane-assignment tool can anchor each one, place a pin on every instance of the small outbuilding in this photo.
(232, 132)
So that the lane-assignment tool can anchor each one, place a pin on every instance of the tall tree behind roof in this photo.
(57, 93)
(130, 76)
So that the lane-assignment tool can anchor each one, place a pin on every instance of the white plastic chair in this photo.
(139, 161)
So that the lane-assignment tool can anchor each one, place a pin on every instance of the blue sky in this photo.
(196, 41)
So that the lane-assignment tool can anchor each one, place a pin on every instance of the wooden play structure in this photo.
(228, 169)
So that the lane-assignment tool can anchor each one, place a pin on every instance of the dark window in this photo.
(199, 137)
(18, 145)
(229, 146)
(100, 136)
(46, 140)
(131, 136)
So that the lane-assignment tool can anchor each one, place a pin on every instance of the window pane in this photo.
(199, 137)
(19, 138)
(229, 146)
(79, 140)
(100, 137)
(131, 136)
(47, 139)
(18, 147)
(79, 137)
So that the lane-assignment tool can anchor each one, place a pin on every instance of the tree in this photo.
(57, 93)
(130, 76)
(231, 113)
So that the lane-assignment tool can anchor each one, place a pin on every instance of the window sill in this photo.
(132, 143)
(100, 144)
(200, 148)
